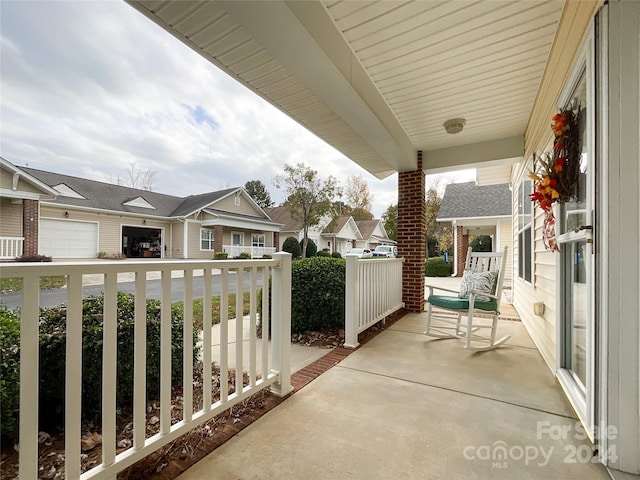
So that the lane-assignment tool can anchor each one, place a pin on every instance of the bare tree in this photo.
(358, 198)
(136, 178)
(142, 179)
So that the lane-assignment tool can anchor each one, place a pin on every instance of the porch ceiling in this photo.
(377, 80)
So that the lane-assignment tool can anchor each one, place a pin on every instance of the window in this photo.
(206, 239)
(237, 238)
(257, 240)
(525, 230)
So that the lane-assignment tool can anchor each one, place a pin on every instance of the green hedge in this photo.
(220, 256)
(9, 373)
(52, 358)
(436, 267)
(317, 294)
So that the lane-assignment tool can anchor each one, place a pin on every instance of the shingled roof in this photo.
(281, 215)
(118, 198)
(468, 200)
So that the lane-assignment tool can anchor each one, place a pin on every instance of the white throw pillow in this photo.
(479, 281)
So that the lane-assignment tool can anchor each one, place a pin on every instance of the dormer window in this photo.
(140, 203)
(66, 191)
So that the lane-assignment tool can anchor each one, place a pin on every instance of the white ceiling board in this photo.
(376, 80)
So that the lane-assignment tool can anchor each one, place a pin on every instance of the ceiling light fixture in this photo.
(454, 125)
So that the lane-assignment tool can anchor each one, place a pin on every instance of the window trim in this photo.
(521, 232)
(257, 244)
(210, 239)
(241, 237)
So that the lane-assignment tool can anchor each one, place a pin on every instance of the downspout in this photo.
(185, 238)
(455, 248)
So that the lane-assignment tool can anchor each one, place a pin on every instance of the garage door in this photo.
(68, 239)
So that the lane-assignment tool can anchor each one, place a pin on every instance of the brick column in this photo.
(217, 238)
(412, 236)
(30, 223)
(276, 241)
(462, 245)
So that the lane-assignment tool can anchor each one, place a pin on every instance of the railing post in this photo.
(29, 377)
(352, 302)
(281, 324)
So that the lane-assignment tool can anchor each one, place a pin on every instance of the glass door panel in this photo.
(576, 290)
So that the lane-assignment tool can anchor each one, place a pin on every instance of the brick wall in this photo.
(217, 238)
(30, 227)
(462, 245)
(276, 241)
(412, 235)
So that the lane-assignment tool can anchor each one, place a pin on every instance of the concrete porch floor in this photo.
(411, 407)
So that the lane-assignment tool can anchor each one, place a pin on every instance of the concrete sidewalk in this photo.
(301, 355)
(410, 407)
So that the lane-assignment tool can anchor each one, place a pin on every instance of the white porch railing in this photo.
(11, 247)
(256, 252)
(373, 290)
(274, 371)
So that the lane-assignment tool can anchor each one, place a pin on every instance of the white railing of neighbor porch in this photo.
(256, 252)
(274, 372)
(373, 291)
(11, 247)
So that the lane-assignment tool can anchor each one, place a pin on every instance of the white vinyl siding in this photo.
(11, 214)
(493, 175)
(541, 328)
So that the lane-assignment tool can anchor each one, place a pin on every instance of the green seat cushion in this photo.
(455, 303)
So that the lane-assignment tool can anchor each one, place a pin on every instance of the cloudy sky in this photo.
(88, 88)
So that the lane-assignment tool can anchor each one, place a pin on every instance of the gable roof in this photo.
(193, 203)
(338, 226)
(118, 198)
(281, 215)
(107, 196)
(468, 200)
(19, 173)
(367, 227)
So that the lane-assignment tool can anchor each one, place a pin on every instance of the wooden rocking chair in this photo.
(480, 293)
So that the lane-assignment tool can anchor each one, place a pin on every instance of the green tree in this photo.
(481, 243)
(390, 221)
(308, 196)
(312, 249)
(258, 191)
(292, 246)
(432, 202)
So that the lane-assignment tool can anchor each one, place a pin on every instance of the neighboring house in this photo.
(341, 235)
(478, 210)
(70, 217)
(373, 234)
(293, 228)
